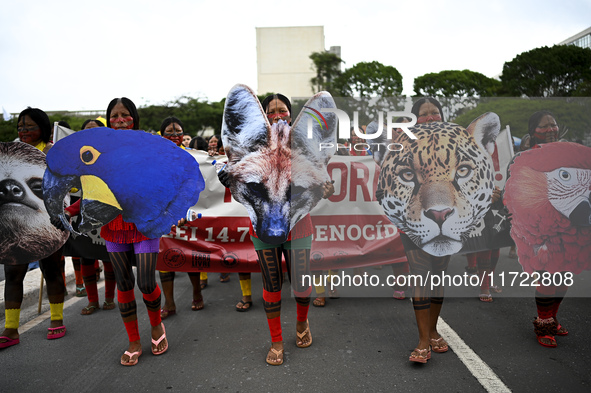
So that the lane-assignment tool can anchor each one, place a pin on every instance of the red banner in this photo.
(350, 229)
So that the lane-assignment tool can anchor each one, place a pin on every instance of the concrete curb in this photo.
(31, 288)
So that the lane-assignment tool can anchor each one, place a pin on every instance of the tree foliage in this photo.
(456, 83)
(369, 79)
(8, 131)
(328, 67)
(559, 71)
(196, 115)
(571, 114)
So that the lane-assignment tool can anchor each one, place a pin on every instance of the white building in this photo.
(582, 39)
(283, 59)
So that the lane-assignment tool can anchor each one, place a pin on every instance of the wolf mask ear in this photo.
(245, 126)
(485, 130)
(322, 143)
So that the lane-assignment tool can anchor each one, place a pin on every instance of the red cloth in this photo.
(154, 315)
(275, 329)
(109, 280)
(302, 312)
(132, 330)
(116, 231)
(91, 290)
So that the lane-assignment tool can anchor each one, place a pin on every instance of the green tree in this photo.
(369, 79)
(456, 83)
(8, 130)
(328, 67)
(197, 115)
(559, 71)
(571, 114)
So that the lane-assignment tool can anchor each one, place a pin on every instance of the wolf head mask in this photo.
(276, 171)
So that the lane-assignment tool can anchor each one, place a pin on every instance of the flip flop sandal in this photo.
(319, 302)
(108, 305)
(439, 345)
(89, 310)
(157, 342)
(203, 284)
(550, 338)
(81, 292)
(9, 342)
(195, 306)
(225, 277)
(53, 336)
(240, 306)
(302, 335)
(276, 353)
(131, 362)
(400, 295)
(561, 330)
(496, 289)
(420, 355)
(164, 313)
(485, 297)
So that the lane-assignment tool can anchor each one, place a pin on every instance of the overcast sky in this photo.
(71, 55)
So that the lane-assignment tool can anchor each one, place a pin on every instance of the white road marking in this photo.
(36, 321)
(481, 371)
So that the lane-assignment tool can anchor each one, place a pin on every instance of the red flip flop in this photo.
(9, 342)
(53, 336)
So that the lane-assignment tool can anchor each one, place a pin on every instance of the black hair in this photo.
(40, 118)
(168, 121)
(98, 123)
(278, 96)
(417, 106)
(129, 105)
(218, 136)
(64, 123)
(534, 120)
(198, 143)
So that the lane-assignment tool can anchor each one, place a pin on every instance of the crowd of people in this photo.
(128, 247)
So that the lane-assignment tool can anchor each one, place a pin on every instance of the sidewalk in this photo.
(31, 288)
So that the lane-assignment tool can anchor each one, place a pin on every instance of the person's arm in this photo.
(73, 209)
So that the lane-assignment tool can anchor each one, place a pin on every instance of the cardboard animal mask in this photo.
(145, 178)
(439, 186)
(548, 194)
(277, 172)
(26, 233)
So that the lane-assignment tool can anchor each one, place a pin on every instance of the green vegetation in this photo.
(571, 114)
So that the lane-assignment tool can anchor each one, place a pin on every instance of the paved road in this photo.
(360, 345)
